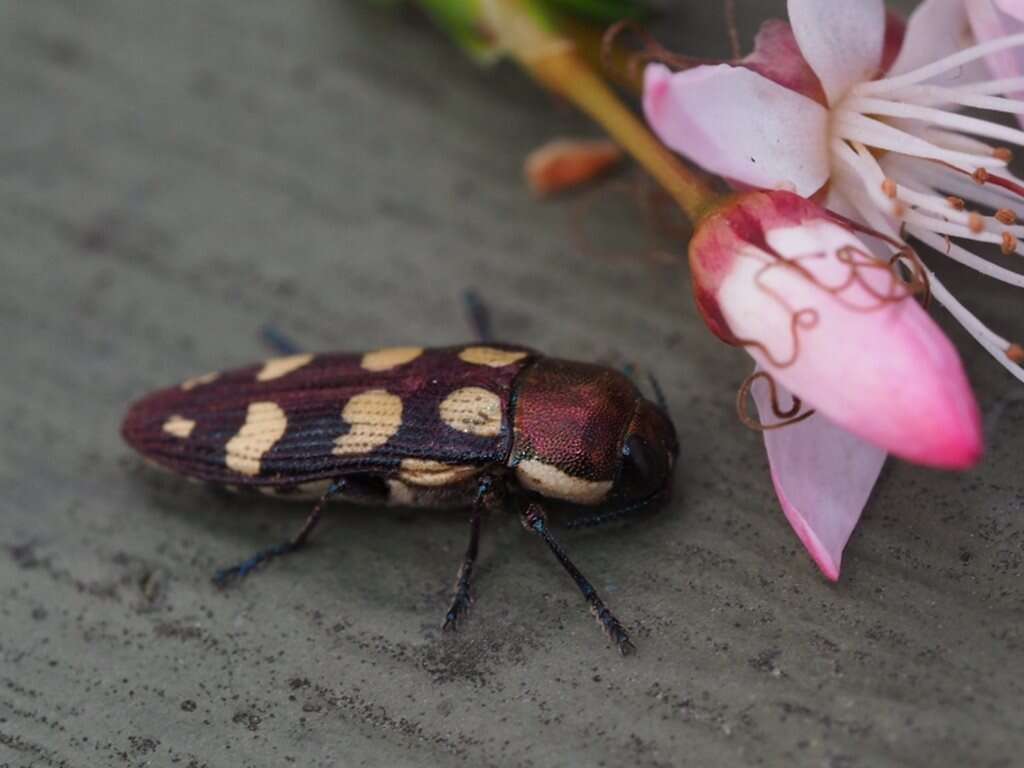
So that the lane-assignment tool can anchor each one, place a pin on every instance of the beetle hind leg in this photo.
(535, 521)
(462, 599)
(244, 568)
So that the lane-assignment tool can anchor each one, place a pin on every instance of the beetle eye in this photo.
(636, 461)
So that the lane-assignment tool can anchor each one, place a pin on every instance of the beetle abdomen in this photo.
(427, 418)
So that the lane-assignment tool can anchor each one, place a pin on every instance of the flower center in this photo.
(909, 163)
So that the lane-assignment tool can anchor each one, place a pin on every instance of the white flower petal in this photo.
(738, 124)
(936, 29)
(1014, 8)
(841, 40)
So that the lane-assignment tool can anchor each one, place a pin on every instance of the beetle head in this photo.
(584, 434)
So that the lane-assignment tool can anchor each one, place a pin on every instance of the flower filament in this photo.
(908, 162)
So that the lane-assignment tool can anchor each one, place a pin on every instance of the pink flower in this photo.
(994, 19)
(840, 108)
(834, 325)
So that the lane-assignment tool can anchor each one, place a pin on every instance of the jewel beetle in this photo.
(481, 425)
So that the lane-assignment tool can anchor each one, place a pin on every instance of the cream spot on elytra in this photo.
(265, 424)
(281, 366)
(373, 418)
(179, 426)
(195, 381)
(426, 472)
(552, 482)
(473, 410)
(391, 357)
(495, 358)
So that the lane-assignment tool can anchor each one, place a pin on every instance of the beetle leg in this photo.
(534, 520)
(224, 575)
(461, 597)
(479, 315)
(278, 340)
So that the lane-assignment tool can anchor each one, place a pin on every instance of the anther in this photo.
(1003, 153)
(889, 188)
(1009, 244)
(1016, 353)
(956, 203)
(975, 222)
(1006, 216)
(898, 209)
(980, 175)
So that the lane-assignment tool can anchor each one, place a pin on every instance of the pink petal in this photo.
(841, 40)
(936, 29)
(882, 370)
(895, 32)
(823, 476)
(777, 56)
(738, 124)
(989, 22)
(1014, 8)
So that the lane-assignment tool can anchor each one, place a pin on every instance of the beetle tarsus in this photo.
(223, 576)
(461, 597)
(535, 521)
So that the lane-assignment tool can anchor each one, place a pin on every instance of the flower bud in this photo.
(835, 325)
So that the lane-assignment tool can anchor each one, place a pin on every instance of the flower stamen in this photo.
(943, 65)
(1006, 216)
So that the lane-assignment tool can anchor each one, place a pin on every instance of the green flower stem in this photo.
(562, 70)
(522, 30)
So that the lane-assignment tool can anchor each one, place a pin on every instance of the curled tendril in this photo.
(650, 50)
(857, 260)
(917, 282)
(790, 416)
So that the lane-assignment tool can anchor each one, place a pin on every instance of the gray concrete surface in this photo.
(174, 175)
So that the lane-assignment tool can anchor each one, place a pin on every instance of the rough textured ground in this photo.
(175, 175)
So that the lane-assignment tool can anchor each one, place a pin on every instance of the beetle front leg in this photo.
(461, 596)
(535, 521)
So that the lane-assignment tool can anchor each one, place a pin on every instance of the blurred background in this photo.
(174, 177)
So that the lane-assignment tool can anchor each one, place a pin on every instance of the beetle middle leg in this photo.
(278, 340)
(535, 520)
(461, 596)
(479, 315)
(224, 575)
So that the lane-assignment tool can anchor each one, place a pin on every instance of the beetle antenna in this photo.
(601, 518)
(659, 393)
(479, 315)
